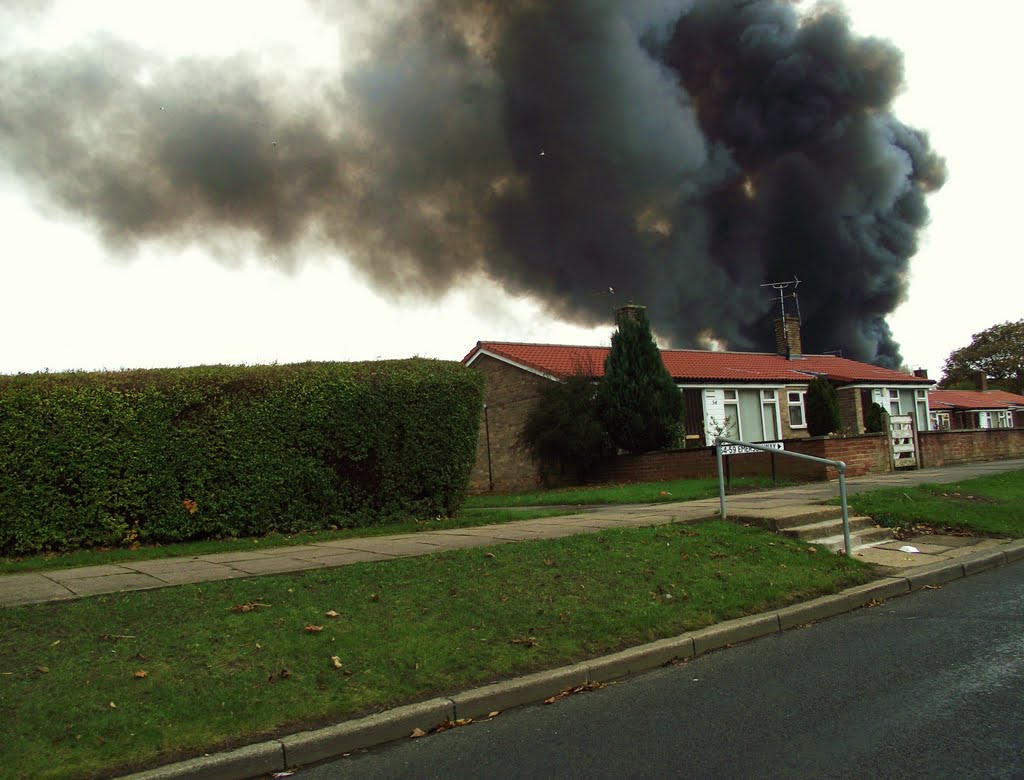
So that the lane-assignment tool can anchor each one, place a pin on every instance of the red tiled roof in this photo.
(558, 360)
(973, 399)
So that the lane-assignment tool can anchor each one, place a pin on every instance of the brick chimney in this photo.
(981, 381)
(787, 337)
(921, 373)
(631, 311)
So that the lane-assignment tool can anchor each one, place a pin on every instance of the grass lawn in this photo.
(641, 493)
(109, 683)
(987, 505)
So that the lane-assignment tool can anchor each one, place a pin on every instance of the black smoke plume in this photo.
(682, 153)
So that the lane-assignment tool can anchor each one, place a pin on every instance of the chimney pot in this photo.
(921, 373)
(981, 381)
(787, 337)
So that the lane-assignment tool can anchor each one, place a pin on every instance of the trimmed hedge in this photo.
(166, 455)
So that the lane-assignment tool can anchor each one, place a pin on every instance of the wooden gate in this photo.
(903, 441)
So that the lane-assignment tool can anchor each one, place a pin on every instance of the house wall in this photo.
(851, 410)
(866, 454)
(789, 432)
(946, 448)
(510, 394)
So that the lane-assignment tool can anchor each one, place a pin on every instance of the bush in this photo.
(822, 407)
(874, 420)
(563, 431)
(220, 451)
(637, 400)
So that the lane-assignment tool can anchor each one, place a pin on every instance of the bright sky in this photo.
(69, 304)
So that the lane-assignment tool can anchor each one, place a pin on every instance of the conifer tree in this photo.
(822, 407)
(637, 400)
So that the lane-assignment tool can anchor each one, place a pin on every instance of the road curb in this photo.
(308, 747)
(346, 737)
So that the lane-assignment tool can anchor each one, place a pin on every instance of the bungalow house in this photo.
(974, 409)
(748, 396)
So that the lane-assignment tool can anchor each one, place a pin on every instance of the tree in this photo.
(997, 351)
(822, 407)
(637, 400)
(874, 420)
(564, 431)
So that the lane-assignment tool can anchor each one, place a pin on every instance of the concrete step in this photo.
(865, 537)
(825, 528)
(779, 518)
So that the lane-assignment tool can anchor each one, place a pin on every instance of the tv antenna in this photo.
(782, 287)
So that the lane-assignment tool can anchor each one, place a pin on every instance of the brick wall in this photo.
(510, 394)
(866, 454)
(851, 410)
(945, 448)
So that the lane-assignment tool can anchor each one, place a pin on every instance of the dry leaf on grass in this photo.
(248, 606)
(335, 662)
(112, 706)
(141, 673)
(42, 669)
(525, 641)
(331, 614)
(490, 555)
(314, 629)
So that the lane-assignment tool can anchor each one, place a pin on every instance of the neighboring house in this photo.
(748, 396)
(973, 409)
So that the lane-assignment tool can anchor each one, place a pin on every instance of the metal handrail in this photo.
(839, 465)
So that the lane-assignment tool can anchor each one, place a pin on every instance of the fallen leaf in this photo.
(494, 714)
(335, 662)
(931, 587)
(549, 562)
(417, 733)
(113, 706)
(374, 597)
(141, 673)
(314, 629)
(43, 669)
(490, 555)
(56, 643)
(526, 641)
(331, 614)
(248, 606)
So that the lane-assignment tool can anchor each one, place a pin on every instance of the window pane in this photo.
(796, 416)
(771, 422)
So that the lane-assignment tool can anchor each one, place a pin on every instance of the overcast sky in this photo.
(72, 303)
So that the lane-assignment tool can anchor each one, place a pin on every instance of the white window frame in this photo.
(801, 396)
(984, 420)
(938, 421)
(770, 398)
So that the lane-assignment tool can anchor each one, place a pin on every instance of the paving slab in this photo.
(231, 557)
(947, 541)
(31, 588)
(83, 572)
(113, 583)
(274, 565)
(396, 548)
(922, 547)
(185, 575)
(894, 559)
(345, 557)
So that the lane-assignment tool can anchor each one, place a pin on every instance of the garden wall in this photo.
(946, 448)
(865, 454)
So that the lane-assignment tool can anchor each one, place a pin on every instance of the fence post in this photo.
(721, 478)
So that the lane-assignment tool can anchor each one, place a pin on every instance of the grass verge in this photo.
(74, 701)
(469, 517)
(641, 493)
(987, 505)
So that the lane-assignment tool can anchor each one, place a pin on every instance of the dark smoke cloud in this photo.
(682, 153)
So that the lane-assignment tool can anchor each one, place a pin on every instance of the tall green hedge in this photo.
(156, 456)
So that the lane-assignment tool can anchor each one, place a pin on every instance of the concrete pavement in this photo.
(65, 584)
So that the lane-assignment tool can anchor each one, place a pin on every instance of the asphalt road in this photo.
(929, 685)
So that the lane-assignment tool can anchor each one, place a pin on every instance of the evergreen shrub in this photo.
(166, 455)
